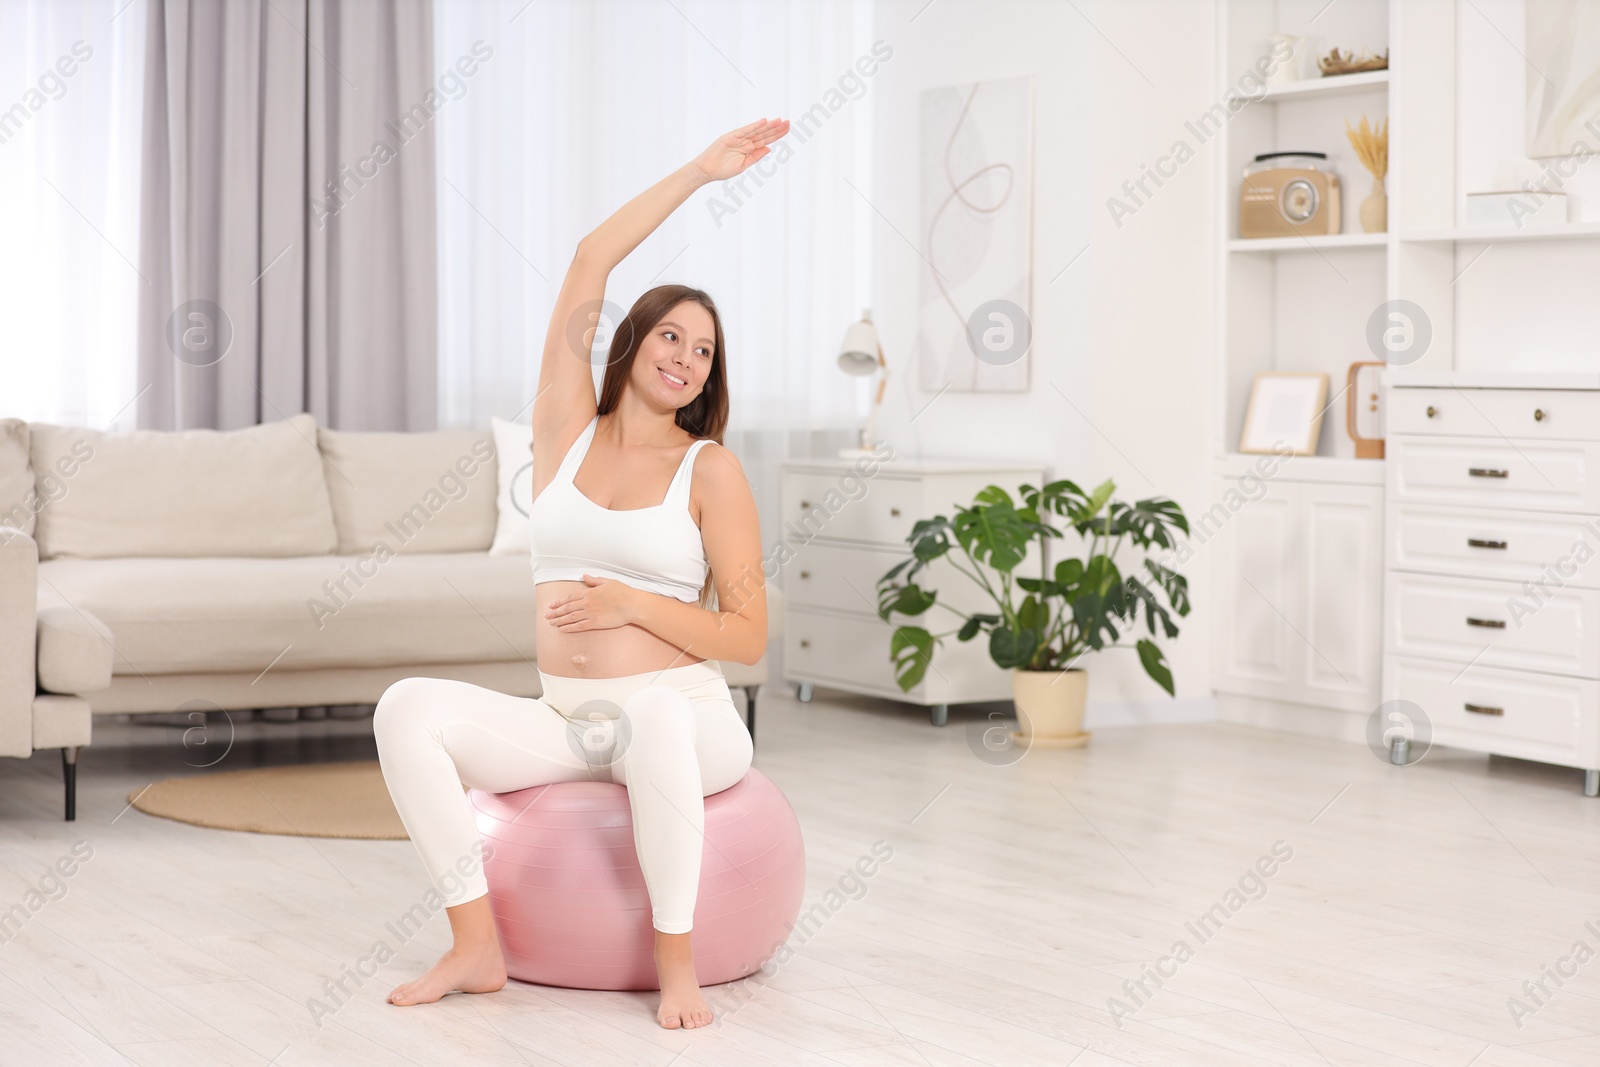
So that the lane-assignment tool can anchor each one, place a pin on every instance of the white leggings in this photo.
(672, 736)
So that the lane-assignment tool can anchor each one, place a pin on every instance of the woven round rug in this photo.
(347, 799)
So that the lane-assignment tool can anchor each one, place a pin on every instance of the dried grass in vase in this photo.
(1371, 145)
(1372, 148)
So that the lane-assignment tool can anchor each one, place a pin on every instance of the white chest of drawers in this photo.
(844, 524)
(1492, 563)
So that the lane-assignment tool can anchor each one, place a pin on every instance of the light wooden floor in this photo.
(1019, 898)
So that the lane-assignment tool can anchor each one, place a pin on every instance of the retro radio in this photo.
(1287, 193)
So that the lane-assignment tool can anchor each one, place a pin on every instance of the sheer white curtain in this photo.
(70, 110)
(581, 106)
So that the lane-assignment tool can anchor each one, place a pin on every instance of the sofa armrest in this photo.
(19, 600)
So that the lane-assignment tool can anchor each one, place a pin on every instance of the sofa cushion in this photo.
(513, 447)
(251, 492)
(75, 650)
(172, 616)
(411, 492)
(19, 503)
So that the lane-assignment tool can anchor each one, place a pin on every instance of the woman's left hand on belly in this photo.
(606, 604)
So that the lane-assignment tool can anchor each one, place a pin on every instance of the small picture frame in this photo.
(1285, 409)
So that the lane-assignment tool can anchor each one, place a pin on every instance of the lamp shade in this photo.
(858, 352)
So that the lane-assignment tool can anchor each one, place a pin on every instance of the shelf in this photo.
(1496, 234)
(1345, 470)
(1308, 244)
(1337, 85)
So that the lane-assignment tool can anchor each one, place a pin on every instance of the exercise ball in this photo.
(570, 900)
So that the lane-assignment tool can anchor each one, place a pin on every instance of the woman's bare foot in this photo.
(478, 970)
(474, 964)
(682, 1005)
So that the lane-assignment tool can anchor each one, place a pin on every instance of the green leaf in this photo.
(1012, 648)
(993, 532)
(1033, 614)
(1155, 665)
(911, 650)
(1097, 500)
(889, 575)
(1174, 584)
(1101, 575)
(1154, 612)
(1147, 522)
(909, 599)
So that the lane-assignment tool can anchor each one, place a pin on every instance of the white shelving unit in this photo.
(1300, 565)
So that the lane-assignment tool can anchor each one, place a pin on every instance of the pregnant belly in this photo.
(608, 653)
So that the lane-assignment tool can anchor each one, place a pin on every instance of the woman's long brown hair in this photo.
(704, 416)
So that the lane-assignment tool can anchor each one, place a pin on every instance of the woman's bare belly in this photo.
(609, 653)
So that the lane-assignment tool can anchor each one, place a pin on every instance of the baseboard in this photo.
(1305, 720)
(1106, 713)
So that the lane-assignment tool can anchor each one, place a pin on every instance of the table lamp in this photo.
(861, 355)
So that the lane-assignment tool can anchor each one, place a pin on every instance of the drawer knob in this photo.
(807, 574)
(1488, 624)
(1475, 542)
(1488, 472)
(1433, 412)
(804, 643)
(895, 512)
(1538, 414)
(1483, 709)
(805, 505)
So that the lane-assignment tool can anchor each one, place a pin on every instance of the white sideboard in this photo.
(1492, 562)
(844, 524)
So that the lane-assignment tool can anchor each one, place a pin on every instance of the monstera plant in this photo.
(1042, 626)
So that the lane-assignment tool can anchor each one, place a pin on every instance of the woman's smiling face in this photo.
(679, 349)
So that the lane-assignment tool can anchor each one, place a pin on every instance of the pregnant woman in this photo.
(638, 514)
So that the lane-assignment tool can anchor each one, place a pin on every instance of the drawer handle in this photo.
(895, 512)
(1475, 542)
(1488, 472)
(804, 643)
(1538, 414)
(1483, 709)
(807, 574)
(1490, 624)
(1433, 412)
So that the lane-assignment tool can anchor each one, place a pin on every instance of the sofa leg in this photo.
(69, 774)
(750, 710)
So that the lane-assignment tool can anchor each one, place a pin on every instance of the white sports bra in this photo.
(657, 549)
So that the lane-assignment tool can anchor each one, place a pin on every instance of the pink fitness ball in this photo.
(570, 900)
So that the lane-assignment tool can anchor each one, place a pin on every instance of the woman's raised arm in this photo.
(566, 402)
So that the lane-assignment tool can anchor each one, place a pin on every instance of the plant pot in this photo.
(1375, 209)
(1050, 707)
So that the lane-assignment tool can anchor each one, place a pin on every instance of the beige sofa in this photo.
(283, 565)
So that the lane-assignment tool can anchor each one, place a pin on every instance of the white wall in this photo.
(1122, 350)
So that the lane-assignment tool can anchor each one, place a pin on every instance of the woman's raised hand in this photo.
(729, 155)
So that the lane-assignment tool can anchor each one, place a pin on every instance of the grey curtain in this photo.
(287, 222)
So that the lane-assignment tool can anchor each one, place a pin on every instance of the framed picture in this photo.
(1563, 42)
(1285, 410)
